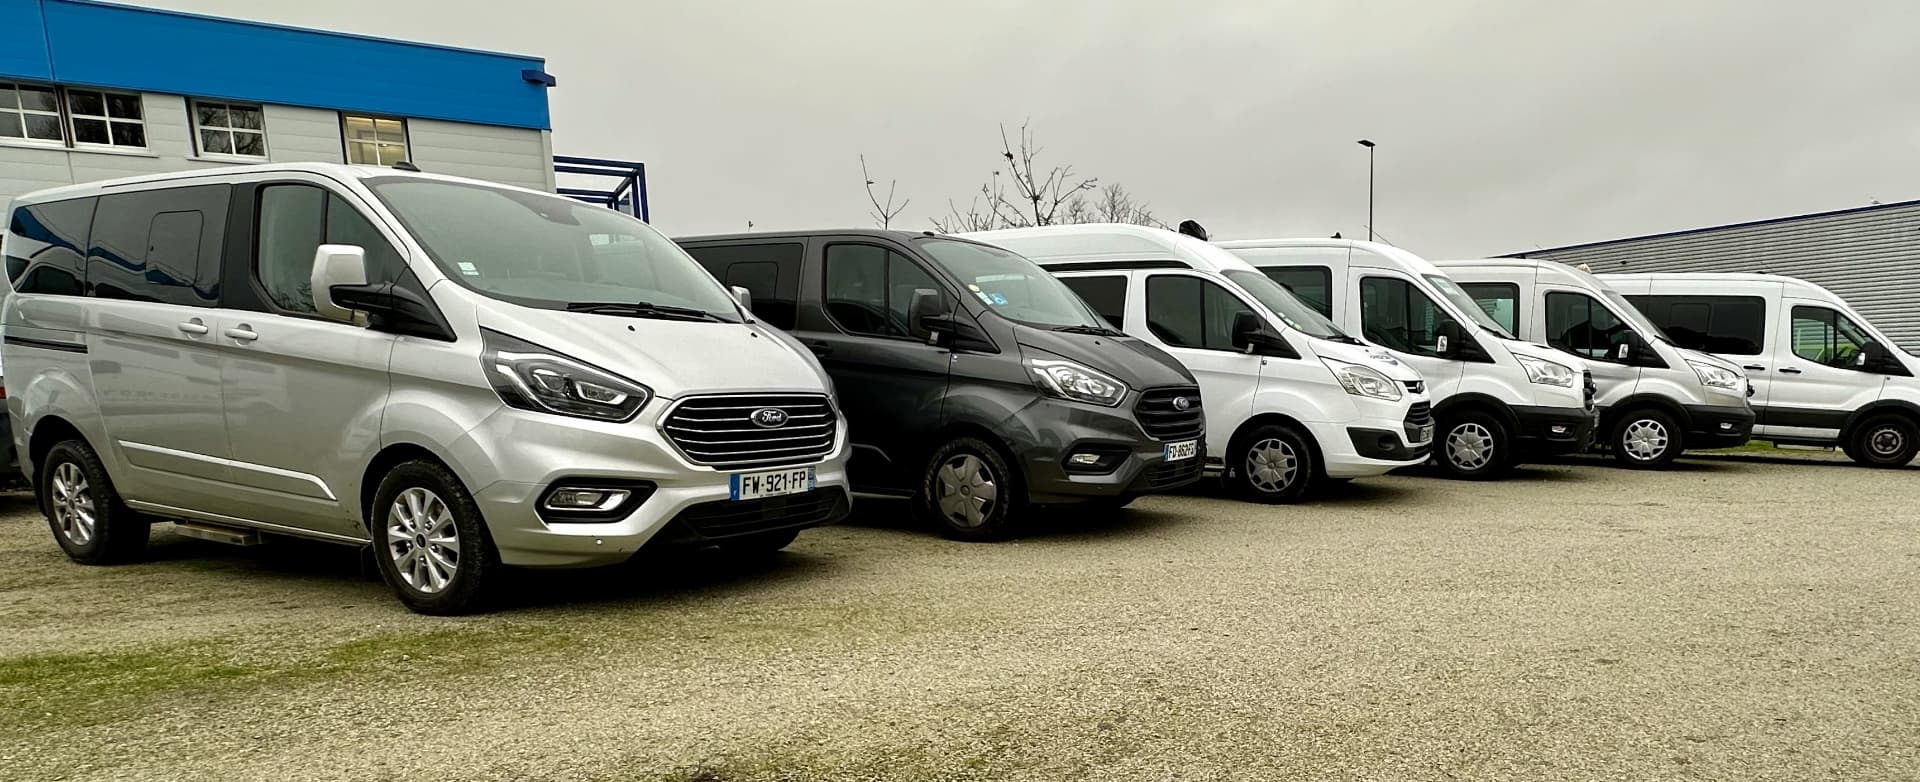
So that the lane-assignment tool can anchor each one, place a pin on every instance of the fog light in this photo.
(1726, 426)
(568, 498)
(1098, 460)
(1560, 429)
(1084, 460)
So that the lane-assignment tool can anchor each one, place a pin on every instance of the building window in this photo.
(29, 111)
(375, 141)
(229, 129)
(107, 119)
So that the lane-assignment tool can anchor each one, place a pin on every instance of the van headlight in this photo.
(1546, 373)
(1716, 377)
(531, 377)
(1068, 380)
(1363, 381)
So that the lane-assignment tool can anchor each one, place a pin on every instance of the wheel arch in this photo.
(1875, 409)
(389, 457)
(1263, 419)
(1611, 417)
(1483, 403)
(49, 431)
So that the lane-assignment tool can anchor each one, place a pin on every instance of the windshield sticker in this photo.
(983, 295)
(469, 269)
(997, 300)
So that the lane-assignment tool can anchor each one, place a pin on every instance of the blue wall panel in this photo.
(140, 49)
(23, 41)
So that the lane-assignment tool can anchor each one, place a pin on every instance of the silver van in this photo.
(458, 374)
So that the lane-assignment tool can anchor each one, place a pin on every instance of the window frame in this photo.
(1126, 290)
(262, 299)
(1546, 317)
(886, 284)
(1833, 317)
(58, 114)
(1510, 288)
(347, 141)
(1146, 302)
(1413, 289)
(232, 132)
(106, 116)
(1643, 302)
(1326, 279)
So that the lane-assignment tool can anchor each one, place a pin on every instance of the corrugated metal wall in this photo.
(1869, 257)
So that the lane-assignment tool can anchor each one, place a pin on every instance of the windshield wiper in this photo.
(643, 309)
(1098, 331)
(1342, 339)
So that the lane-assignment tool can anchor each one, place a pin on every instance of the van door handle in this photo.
(194, 327)
(1789, 371)
(818, 347)
(242, 333)
(1754, 368)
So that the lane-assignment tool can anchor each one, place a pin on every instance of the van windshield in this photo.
(1013, 286)
(1296, 313)
(553, 253)
(1465, 304)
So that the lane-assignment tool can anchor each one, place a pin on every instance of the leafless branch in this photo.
(882, 214)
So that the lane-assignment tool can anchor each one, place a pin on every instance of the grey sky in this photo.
(1503, 124)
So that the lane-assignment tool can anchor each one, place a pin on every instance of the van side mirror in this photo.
(1446, 339)
(1624, 352)
(1253, 335)
(336, 265)
(742, 297)
(926, 319)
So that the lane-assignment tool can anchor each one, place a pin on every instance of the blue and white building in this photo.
(92, 90)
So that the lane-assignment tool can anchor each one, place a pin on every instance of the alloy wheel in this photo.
(423, 540)
(73, 511)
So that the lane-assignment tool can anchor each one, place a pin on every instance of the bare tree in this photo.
(1026, 192)
(882, 214)
(1113, 204)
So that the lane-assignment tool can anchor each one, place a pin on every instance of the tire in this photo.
(84, 511)
(968, 491)
(1272, 464)
(1473, 446)
(1646, 439)
(763, 544)
(418, 504)
(1886, 441)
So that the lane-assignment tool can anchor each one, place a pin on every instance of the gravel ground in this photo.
(1738, 618)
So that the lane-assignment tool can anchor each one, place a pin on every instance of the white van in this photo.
(1655, 398)
(1822, 375)
(1496, 398)
(459, 375)
(1291, 399)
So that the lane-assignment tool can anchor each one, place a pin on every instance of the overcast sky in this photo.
(1503, 125)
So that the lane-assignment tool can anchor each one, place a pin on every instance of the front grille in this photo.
(1175, 473)
(1591, 390)
(1420, 415)
(1162, 416)
(719, 431)
(1415, 386)
(726, 519)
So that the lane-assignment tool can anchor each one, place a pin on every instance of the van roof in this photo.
(1540, 268)
(1412, 262)
(338, 171)
(1088, 242)
(807, 233)
(1792, 284)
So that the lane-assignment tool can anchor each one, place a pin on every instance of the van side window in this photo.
(1731, 325)
(1827, 337)
(869, 289)
(771, 272)
(159, 245)
(1190, 312)
(1106, 294)
(1311, 284)
(1397, 315)
(1581, 326)
(48, 248)
(1500, 300)
(293, 220)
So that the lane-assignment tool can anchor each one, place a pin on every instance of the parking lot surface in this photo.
(1738, 618)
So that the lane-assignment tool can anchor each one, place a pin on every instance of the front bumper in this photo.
(1056, 429)
(1374, 445)
(1718, 426)
(1553, 430)
(513, 457)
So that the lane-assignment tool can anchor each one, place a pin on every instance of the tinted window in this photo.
(869, 289)
(346, 225)
(291, 221)
(1734, 325)
(47, 250)
(1311, 284)
(1397, 315)
(1500, 300)
(1578, 324)
(1011, 285)
(159, 245)
(771, 272)
(1826, 336)
(1106, 294)
(1190, 312)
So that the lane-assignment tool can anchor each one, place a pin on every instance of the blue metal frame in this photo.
(632, 187)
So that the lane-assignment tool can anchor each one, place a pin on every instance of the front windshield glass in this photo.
(1634, 316)
(549, 252)
(1465, 304)
(1303, 318)
(1012, 286)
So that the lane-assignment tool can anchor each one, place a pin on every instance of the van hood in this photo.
(1709, 359)
(1129, 360)
(1544, 353)
(1377, 359)
(674, 358)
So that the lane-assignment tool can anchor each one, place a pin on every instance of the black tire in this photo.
(1484, 449)
(1885, 441)
(763, 544)
(944, 499)
(475, 563)
(84, 511)
(1273, 464)
(1646, 439)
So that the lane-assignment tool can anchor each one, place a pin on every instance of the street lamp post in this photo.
(1369, 145)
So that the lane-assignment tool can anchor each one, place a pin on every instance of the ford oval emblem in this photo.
(769, 417)
(1181, 403)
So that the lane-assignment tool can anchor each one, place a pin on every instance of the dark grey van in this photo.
(970, 378)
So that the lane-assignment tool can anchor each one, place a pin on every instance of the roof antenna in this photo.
(407, 165)
(1193, 229)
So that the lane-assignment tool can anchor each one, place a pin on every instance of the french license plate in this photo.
(1426, 433)
(1182, 450)
(773, 483)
